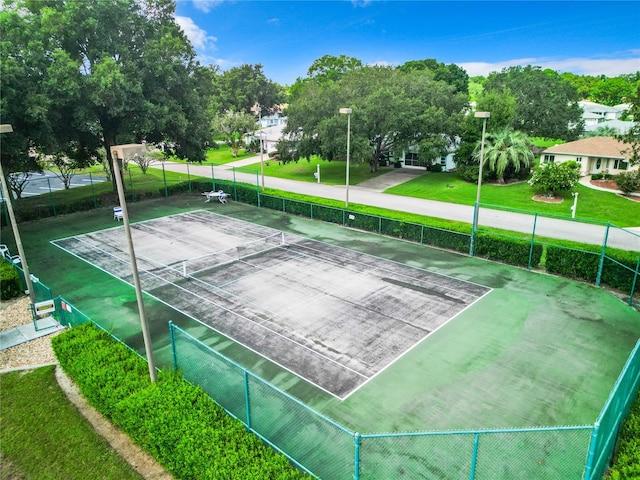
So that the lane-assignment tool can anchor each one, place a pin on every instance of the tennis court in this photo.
(332, 316)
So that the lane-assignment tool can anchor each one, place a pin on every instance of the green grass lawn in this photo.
(331, 173)
(592, 204)
(44, 436)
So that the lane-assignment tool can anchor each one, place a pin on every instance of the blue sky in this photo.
(586, 38)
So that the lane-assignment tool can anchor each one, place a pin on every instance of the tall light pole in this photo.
(348, 112)
(134, 264)
(258, 109)
(485, 116)
(7, 128)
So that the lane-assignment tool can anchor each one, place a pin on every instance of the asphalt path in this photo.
(579, 231)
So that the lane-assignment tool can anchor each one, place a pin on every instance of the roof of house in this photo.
(591, 147)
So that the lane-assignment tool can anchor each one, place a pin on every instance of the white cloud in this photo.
(580, 66)
(206, 5)
(196, 35)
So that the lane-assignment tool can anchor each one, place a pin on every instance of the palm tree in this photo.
(504, 148)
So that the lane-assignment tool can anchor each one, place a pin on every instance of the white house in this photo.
(593, 154)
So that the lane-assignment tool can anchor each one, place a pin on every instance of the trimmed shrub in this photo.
(508, 250)
(9, 281)
(173, 420)
(576, 264)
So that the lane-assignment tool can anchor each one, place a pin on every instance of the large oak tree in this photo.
(103, 72)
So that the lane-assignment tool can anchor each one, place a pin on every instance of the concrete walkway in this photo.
(28, 332)
(372, 195)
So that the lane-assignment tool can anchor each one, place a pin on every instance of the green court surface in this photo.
(537, 350)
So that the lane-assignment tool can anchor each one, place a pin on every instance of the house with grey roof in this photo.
(593, 154)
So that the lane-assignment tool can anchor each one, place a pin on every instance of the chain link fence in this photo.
(328, 450)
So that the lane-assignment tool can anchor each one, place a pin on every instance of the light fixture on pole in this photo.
(484, 116)
(132, 257)
(348, 112)
(7, 128)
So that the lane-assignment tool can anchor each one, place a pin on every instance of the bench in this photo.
(117, 213)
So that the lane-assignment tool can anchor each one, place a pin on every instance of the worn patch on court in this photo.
(333, 316)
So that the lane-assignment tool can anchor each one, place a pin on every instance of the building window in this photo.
(549, 158)
(411, 159)
(620, 165)
(579, 160)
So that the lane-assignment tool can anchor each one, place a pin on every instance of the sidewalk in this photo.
(28, 332)
(592, 233)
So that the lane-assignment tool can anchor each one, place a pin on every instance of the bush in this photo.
(628, 182)
(626, 464)
(173, 420)
(469, 173)
(9, 281)
(596, 176)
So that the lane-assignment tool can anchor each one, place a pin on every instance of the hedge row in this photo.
(579, 262)
(508, 250)
(173, 420)
(617, 270)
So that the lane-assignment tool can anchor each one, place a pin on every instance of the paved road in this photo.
(47, 181)
(371, 194)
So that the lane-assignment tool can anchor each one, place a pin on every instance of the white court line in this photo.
(210, 326)
(51, 188)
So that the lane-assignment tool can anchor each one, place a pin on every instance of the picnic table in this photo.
(220, 195)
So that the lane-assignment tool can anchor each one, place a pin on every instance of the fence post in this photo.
(246, 399)
(164, 180)
(473, 229)
(356, 456)
(635, 279)
(588, 469)
(174, 356)
(235, 196)
(602, 255)
(93, 192)
(533, 239)
(5, 210)
(474, 460)
(53, 203)
(188, 177)
(133, 198)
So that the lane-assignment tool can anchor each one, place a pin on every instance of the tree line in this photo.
(79, 77)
